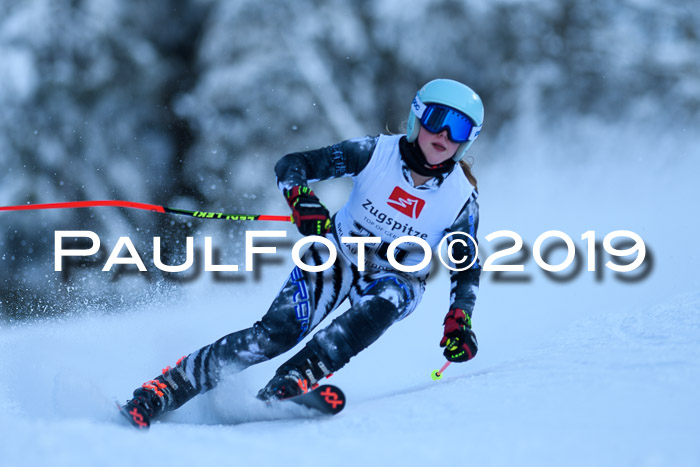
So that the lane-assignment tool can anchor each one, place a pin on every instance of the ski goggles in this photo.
(437, 117)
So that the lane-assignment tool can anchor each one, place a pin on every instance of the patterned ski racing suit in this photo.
(379, 296)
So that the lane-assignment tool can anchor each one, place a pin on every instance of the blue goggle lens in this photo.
(439, 117)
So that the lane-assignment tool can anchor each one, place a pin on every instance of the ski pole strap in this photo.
(148, 207)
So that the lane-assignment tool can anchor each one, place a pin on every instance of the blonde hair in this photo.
(466, 167)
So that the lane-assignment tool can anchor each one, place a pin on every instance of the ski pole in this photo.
(148, 207)
(437, 374)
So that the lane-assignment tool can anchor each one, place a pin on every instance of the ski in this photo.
(326, 399)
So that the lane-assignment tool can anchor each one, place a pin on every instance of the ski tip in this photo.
(332, 398)
(325, 400)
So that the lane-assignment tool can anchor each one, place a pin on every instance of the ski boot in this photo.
(284, 386)
(166, 392)
(141, 408)
(299, 375)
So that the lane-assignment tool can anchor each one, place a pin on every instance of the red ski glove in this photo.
(310, 216)
(459, 340)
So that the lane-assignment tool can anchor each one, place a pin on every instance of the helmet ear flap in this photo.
(412, 128)
(461, 151)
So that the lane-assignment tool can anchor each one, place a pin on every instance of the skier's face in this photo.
(436, 147)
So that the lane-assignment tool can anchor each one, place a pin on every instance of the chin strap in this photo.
(414, 158)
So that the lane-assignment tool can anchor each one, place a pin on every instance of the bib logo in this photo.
(405, 203)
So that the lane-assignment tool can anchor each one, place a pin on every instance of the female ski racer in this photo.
(414, 184)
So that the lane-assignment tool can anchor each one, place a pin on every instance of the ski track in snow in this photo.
(580, 373)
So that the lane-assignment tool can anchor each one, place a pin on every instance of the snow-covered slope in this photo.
(582, 372)
(613, 389)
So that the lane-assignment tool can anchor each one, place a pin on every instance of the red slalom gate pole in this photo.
(437, 374)
(148, 207)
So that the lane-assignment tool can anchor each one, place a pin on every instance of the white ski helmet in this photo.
(451, 102)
